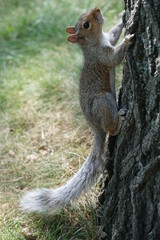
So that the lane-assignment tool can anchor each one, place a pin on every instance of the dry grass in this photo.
(43, 136)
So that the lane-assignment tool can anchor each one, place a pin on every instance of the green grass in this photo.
(43, 135)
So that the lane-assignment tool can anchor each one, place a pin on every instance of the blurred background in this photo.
(43, 136)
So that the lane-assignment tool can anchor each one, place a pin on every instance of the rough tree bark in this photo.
(131, 197)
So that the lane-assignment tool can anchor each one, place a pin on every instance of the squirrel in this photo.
(97, 97)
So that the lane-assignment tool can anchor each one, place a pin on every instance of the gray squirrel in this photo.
(98, 102)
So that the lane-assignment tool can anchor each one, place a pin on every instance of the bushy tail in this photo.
(42, 200)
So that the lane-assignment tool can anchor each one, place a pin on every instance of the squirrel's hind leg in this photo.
(105, 113)
(121, 117)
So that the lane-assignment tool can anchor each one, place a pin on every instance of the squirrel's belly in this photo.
(86, 106)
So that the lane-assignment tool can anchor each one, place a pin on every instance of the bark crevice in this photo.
(131, 196)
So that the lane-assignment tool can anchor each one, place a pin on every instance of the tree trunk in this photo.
(131, 197)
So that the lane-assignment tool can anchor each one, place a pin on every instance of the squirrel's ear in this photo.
(70, 30)
(96, 11)
(98, 15)
(73, 38)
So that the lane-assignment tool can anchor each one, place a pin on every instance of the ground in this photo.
(43, 136)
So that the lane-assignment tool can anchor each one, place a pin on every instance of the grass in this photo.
(43, 136)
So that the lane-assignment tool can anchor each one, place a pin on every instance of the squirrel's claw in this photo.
(129, 38)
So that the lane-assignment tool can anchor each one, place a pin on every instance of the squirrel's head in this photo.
(88, 28)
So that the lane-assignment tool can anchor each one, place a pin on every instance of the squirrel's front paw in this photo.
(122, 14)
(129, 38)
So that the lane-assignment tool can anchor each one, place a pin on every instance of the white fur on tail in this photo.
(41, 200)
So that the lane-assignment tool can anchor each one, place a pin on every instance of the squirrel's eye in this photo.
(86, 25)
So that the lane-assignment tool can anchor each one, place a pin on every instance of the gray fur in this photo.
(41, 200)
(98, 103)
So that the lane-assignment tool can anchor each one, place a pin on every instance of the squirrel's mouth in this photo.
(81, 39)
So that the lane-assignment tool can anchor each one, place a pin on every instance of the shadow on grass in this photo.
(68, 224)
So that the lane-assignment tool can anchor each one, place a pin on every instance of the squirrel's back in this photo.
(97, 99)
